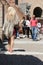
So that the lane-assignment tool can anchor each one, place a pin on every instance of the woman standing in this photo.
(28, 26)
(33, 23)
(8, 27)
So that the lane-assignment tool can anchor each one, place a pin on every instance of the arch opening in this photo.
(37, 12)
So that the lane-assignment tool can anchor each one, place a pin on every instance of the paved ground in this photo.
(28, 45)
(25, 52)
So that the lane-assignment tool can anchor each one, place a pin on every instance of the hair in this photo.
(11, 13)
(27, 17)
(23, 17)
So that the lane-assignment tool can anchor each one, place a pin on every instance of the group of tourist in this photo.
(31, 26)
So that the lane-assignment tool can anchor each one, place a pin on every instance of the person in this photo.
(39, 26)
(39, 30)
(16, 28)
(28, 26)
(23, 25)
(42, 29)
(8, 27)
(33, 23)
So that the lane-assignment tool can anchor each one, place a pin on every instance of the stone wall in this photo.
(34, 4)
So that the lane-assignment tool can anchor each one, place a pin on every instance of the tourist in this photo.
(28, 26)
(33, 23)
(8, 27)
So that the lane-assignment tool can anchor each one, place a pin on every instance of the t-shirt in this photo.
(33, 22)
(28, 23)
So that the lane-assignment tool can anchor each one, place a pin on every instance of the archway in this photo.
(37, 12)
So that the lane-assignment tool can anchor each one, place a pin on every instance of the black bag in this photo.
(24, 23)
(16, 26)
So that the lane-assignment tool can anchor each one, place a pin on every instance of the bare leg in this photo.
(11, 43)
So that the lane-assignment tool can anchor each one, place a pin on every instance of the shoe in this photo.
(24, 36)
(35, 40)
(18, 37)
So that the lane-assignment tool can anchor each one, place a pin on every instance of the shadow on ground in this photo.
(19, 60)
(22, 50)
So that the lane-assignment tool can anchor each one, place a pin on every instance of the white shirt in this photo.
(28, 23)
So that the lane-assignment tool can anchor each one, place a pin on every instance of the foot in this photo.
(10, 50)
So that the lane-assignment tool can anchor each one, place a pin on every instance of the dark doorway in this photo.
(16, 2)
(37, 12)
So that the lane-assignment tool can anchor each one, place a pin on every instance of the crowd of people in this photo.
(30, 26)
(12, 26)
